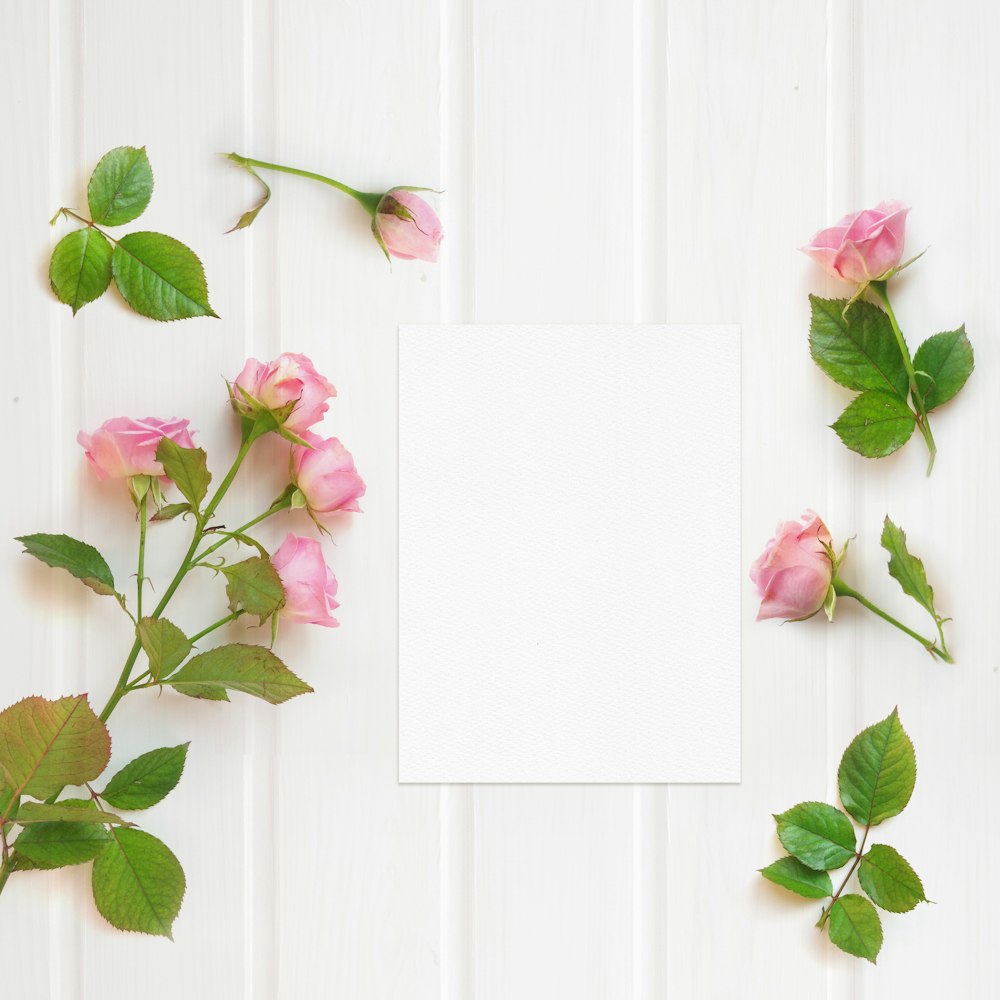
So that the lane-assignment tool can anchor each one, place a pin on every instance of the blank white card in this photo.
(569, 554)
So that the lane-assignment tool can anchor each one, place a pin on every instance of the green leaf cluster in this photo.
(876, 779)
(156, 275)
(855, 345)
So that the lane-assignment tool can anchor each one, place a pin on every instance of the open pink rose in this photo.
(289, 378)
(310, 586)
(407, 226)
(123, 447)
(326, 476)
(794, 572)
(863, 246)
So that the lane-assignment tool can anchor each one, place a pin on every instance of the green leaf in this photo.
(875, 424)
(187, 468)
(80, 268)
(62, 812)
(46, 745)
(165, 645)
(138, 884)
(120, 186)
(791, 874)
(160, 277)
(890, 881)
(56, 845)
(253, 670)
(148, 779)
(877, 772)
(254, 586)
(855, 927)
(906, 569)
(943, 363)
(171, 510)
(860, 351)
(78, 558)
(821, 837)
(248, 216)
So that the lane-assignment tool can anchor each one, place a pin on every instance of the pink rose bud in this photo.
(123, 447)
(407, 226)
(795, 571)
(325, 476)
(310, 586)
(864, 246)
(290, 378)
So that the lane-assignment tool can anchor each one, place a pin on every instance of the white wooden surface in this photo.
(603, 161)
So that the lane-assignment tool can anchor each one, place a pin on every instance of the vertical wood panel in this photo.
(935, 147)
(358, 898)
(553, 156)
(744, 186)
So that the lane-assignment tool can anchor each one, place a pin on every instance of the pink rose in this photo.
(795, 571)
(864, 246)
(289, 378)
(310, 586)
(407, 226)
(325, 475)
(123, 447)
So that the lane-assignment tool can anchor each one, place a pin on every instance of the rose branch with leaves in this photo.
(156, 275)
(403, 224)
(860, 345)
(798, 575)
(48, 746)
(876, 778)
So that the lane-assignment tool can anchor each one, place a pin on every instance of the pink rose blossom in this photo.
(123, 447)
(408, 226)
(864, 246)
(310, 586)
(289, 378)
(326, 476)
(795, 571)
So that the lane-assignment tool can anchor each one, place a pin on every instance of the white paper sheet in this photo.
(569, 554)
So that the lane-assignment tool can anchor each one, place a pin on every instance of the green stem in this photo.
(242, 529)
(368, 200)
(850, 871)
(121, 688)
(142, 557)
(844, 590)
(213, 627)
(881, 289)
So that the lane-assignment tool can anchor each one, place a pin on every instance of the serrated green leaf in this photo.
(877, 772)
(254, 586)
(171, 510)
(165, 645)
(80, 268)
(160, 277)
(29, 813)
(855, 927)
(860, 351)
(148, 779)
(907, 569)
(819, 835)
(254, 670)
(187, 468)
(138, 884)
(78, 558)
(943, 364)
(57, 845)
(791, 874)
(46, 745)
(120, 186)
(890, 881)
(875, 424)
